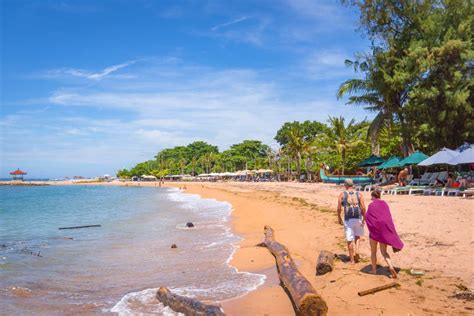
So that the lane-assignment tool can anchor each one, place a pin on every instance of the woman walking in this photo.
(381, 231)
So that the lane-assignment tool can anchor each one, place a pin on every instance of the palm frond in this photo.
(351, 87)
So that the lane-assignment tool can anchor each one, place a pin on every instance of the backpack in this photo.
(351, 205)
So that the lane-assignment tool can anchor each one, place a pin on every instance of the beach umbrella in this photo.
(413, 159)
(464, 146)
(443, 156)
(371, 161)
(467, 156)
(392, 162)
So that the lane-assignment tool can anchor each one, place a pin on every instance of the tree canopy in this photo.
(419, 71)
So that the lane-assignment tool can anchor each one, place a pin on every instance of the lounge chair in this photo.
(429, 180)
(442, 177)
(399, 190)
(434, 191)
(454, 191)
(417, 189)
(423, 178)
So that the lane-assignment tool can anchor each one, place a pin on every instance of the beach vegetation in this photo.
(418, 71)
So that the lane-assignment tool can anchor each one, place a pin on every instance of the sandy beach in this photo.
(437, 232)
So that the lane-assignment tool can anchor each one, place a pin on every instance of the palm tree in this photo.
(298, 147)
(379, 95)
(343, 138)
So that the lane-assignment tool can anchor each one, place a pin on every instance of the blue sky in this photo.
(88, 87)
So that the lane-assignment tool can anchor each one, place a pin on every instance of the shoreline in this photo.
(303, 216)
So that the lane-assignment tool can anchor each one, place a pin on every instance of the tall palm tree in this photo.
(298, 146)
(377, 94)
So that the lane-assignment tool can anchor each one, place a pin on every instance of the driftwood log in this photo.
(378, 288)
(77, 227)
(186, 305)
(304, 297)
(325, 262)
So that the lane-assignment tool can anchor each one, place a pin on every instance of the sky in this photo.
(90, 87)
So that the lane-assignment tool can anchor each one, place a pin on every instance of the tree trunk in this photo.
(343, 154)
(407, 146)
(185, 305)
(298, 166)
(325, 262)
(289, 169)
(306, 300)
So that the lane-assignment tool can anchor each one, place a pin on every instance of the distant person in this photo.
(381, 231)
(352, 203)
(402, 177)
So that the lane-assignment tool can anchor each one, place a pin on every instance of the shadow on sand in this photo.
(380, 270)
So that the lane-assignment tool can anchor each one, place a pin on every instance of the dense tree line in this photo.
(303, 147)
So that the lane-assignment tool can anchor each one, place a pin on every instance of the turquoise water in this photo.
(117, 267)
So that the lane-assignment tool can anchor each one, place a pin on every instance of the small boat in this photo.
(340, 179)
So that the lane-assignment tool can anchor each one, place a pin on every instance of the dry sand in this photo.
(437, 232)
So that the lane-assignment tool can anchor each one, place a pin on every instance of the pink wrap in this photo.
(380, 224)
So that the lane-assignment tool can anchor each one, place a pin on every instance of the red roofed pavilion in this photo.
(17, 174)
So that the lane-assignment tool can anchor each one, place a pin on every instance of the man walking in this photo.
(354, 217)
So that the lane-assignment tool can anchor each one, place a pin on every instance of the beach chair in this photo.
(416, 189)
(442, 177)
(399, 190)
(429, 180)
(423, 178)
(454, 192)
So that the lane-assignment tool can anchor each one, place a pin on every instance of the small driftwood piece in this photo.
(77, 227)
(186, 305)
(305, 299)
(325, 262)
(378, 289)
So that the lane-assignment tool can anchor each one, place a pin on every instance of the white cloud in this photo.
(80, 73)
(155, 111)
(235, 21)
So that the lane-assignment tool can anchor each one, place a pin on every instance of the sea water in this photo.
(117, 267)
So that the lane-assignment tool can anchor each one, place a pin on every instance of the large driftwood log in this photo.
(304, 297)
(186, 305)
(325, 262)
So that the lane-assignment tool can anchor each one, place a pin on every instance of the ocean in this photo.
(115, 268)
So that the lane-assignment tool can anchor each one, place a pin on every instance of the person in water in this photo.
(381, 231)
(354, 213)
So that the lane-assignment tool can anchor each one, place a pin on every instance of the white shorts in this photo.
(353, 228)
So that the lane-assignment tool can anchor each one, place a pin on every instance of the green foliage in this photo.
(419, 73)
(346, 143)
(123, 174)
